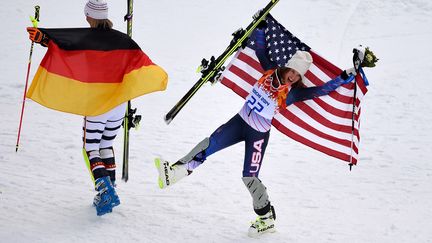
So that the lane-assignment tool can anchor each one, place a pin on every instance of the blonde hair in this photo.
(100, 23)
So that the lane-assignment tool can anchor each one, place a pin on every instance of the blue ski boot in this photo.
(106, 198)
(115, 199)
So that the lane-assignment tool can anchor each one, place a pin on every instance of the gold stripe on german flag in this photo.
(90, 71)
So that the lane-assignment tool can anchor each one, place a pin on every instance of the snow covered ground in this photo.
(46, 192)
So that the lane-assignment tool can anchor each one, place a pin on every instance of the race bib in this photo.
(261, 103)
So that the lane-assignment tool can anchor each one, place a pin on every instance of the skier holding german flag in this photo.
(93, 72)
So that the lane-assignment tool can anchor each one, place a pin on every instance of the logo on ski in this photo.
(166, 173)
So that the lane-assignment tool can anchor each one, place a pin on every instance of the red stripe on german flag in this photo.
(91, 82)
(93, 66)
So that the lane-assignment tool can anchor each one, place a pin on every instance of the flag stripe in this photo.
(90, 39)
(104, 67)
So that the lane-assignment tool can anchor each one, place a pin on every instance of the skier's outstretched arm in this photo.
(261, 52)
(301, 94)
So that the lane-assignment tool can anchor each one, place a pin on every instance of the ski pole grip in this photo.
(37, 8)
(35, 19)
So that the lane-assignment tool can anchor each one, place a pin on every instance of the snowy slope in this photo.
(46, 192)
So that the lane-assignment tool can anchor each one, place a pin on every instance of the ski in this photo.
(130, 120)
(161, 166)
(211, 70)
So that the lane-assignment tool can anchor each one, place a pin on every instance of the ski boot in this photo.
(115, 199)
(114, 203)
(169, 175)
(106, 198)
(263, 224)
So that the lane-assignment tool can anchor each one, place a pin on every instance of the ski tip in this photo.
(167, 120)
(157, 162)
(160, 182)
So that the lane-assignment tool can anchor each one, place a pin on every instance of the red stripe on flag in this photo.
(242, 74)
(361, 84)
(313, 78)
(347, 114)
(93, 66)
(250, 61)
(328, 68)
(237, 89)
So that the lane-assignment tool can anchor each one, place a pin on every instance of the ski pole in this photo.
(356, 63)
(128, 115)
(35, 21)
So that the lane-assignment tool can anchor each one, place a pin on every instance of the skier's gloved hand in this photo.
(37, 36)
(348, 72)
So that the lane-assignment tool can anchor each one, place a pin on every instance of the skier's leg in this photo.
(92, 135)
(266, 214)
(112, 127)
(226, 135)
(108, 158)
(258, 191)
(93, 129)
(200, 147)
(255, 146)
(95, 138)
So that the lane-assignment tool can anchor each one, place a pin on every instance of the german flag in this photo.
(90, 71)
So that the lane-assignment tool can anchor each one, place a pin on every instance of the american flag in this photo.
(324, 123)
